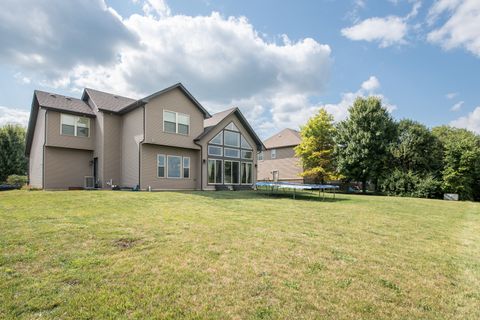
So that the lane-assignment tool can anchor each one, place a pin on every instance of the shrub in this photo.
(410, 184)
(17, 180)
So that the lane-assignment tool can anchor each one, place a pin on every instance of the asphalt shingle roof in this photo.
(107, 101)
(62, 103)
(285, 138)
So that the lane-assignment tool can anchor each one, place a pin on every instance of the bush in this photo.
(410, 184)
(17, 180)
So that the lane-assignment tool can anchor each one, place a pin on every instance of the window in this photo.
(244, 143)
(214, 171)
(231, 126)
(161, 166)
(247, 154)
(214, 151)
(174, 166)
(74, 126)
(260, 155)
(231, 173)
(183, 123)
(231, 153)
(274, 153)
(231, 139)
(186, 167)
(247, 173)
(174, 122)
(218, 139)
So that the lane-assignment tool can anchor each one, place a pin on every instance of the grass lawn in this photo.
(236, 255)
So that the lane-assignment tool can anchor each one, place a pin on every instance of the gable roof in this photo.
(107, 101)
(147, 99)
(62, 103)
(212, 122)
(285, 138)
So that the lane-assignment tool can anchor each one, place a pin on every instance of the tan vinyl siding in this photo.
(149, 168)
(204, 142)
(36, 152)
(176, 101)
(55, 139)
(282, 153)
(288, 169)
(132, 135)
(65, 167)
(112, 149)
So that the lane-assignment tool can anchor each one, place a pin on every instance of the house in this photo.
(167, 140)
(278, 162)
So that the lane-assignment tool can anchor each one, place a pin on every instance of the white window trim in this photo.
(215, 174)
(217, 144)
(229, 145)
(239, 172)
(176, 122)
(164, 165)
(189, 168)
(62, 115)
(215, 155)
(248, 143)
(181, 167)
(251, 169)
(260, 154)
(273, 152)
(239, 153)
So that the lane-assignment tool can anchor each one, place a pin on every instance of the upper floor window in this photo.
(260, 155)
(174, 122)
(231, 139)
(74, 125)
(274, 153)
(244, 143)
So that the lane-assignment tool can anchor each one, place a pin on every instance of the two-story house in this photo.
(164, 141)
(278, 162)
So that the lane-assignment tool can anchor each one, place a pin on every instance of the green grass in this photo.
(236, 255)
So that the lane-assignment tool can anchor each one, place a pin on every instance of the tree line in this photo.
(403, 158)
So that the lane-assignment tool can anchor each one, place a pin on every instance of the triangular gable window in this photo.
(218, 139)
(232, 126)
(245, 144)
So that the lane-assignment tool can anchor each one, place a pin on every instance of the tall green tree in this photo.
(363, 141)
(461, 161)
(416, 162)
(316, 148)
(12, 151)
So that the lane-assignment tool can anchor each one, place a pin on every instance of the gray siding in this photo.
(55, 139)
(132, 135)
(149, 168)
(65, 167)
(174, 100)
(35, 170)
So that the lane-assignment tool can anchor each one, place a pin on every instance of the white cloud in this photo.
(371, 84)
(13, 116)
(340, 109)
(462, 27)
(457, 106)
(387, 31)
(451, 95)
(470, 122)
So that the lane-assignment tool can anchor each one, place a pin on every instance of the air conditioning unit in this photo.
(89, 182)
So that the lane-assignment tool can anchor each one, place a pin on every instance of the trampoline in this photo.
(276, 187)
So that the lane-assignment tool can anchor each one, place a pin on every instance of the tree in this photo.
(316, 148)
(461, 161)
(12, 151)
(363, 141)
(416, 161)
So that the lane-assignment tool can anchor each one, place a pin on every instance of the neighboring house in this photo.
(278, 161)
(164, 141)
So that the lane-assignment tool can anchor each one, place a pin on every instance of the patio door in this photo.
(275, 175)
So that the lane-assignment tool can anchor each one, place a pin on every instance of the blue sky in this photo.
(278, 61)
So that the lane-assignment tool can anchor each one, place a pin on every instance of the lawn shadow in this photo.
(251, 194)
